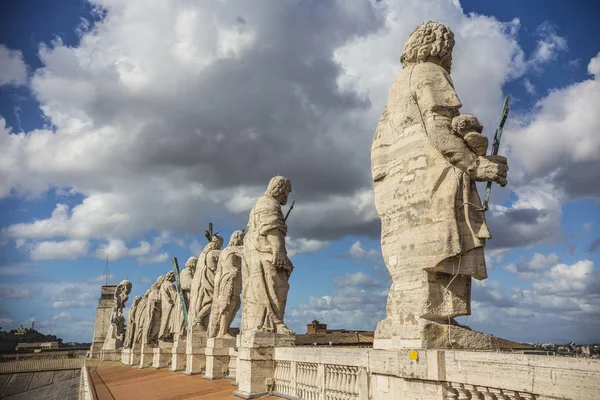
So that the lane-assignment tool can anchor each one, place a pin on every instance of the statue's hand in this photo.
(492, 168)
(281, 260)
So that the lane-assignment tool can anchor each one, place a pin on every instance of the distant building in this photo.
(317, 334)
(37, 346)
(317, 328)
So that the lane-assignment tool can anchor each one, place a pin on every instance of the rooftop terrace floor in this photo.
(113, 380)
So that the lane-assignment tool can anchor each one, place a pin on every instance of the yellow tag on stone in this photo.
(413, 355)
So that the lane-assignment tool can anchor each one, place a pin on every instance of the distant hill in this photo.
(9, 340)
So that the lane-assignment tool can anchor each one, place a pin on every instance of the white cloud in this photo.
(161, 113)
(9, 292)
(562, 304)
(154, 259)
(303, 246)
(548, 46)
(13, 70)
(64, 250)
(534, 268)
(116, 249)
(357, 302)
(529, 86)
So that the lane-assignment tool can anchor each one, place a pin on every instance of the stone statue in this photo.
(228, 287)
(153, 311)
(141, 319)
(203, 283)
(425, 163)
(267, 266)
(131, 325)
(121, 296)
(185, 279)
(168, 297)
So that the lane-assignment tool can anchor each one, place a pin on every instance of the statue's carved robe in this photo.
(228, 287)
(141, 321)
(265, 287)
(208, 263)
(168, 296)
(153, 309)
(131, 326)
(185, 278)
(430, 211)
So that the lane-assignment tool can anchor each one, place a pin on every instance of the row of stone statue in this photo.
(211, 284)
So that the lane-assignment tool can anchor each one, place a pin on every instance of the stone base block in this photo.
(146, 357)
(110, 355)
(126, 356)
(195, 363)
(255, 371)
(161, 357)
(443, 336)
(267, 339)
(178, 356)
(217, 358)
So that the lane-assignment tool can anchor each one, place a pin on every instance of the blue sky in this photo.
(128, 126)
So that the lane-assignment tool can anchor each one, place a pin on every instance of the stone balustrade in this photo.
(33, 364)
(360, 374)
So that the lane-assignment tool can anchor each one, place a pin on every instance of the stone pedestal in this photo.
(110, 355)
(217, 358)
(233, 359)
(178, 355)
(256, 363)
(195, 359)
(146, 356)
(162, 355)
(442, 336)
(126, 356)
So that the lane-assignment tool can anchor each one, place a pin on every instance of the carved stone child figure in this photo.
(468, 127)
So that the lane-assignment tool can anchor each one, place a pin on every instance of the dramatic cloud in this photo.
(64, 250)
(357, 302)
(187, 110)
(13, 70)
(561, 305)
(549, 45)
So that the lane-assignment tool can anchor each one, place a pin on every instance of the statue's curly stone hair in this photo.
(427, 40)
(191, 262)
(278, 185)
(237, 236)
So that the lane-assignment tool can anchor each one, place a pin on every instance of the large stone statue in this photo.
(115, 334)
(268, 268)
(433, 228)
(131, 325)
(121, 296)
(228, 287)
(141, 319)
(185, 279)
(203, 283)
(168, 297)
(153, 311)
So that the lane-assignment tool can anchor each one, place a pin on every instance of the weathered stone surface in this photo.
(433, 226)
(267, 267)
(178, 356)
(217, 357)
(228, 288)
(116, 331)
(168, 297)
(195, 351)
(152, 322)
(203, 284)
(131, 323)
(185, 279)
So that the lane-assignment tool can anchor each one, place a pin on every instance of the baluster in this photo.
(487, 395)
(450, 392)
(475, 394)
(463, 394)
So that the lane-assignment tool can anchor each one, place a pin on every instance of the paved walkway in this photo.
(116, 381)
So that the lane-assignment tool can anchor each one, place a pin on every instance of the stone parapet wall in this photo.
(362, 374)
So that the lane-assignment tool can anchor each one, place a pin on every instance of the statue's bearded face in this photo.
(285, 194)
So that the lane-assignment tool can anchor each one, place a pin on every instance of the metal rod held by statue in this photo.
(289, 211)
(495, 147)
(184, 305)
